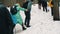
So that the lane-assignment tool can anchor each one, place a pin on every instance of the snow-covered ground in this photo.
(41, 23)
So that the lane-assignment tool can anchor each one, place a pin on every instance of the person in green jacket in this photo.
(18, 15)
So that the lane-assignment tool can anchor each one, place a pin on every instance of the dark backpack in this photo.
(25, 5)
(13, 10)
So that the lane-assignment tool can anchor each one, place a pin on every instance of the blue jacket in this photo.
(14, 19)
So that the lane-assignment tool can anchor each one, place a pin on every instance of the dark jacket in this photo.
(5, 20)
(44, 3)
(25, 5)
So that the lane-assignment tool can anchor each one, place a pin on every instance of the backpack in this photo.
(25, 5)
(13, 10)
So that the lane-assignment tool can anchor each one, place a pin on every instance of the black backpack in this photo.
(13, 10)
(25, 5)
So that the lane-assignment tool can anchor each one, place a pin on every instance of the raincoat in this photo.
(18, 15)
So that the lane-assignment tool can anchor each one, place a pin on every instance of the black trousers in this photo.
(52, 11)
(27, 18)
(11, 29)
(45, 8)
(39, 4)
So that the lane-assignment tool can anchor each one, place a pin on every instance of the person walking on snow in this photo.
(17, 17)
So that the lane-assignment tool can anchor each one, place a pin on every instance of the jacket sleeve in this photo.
(20, 8)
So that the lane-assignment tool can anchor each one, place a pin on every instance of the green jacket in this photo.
(18, 15)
